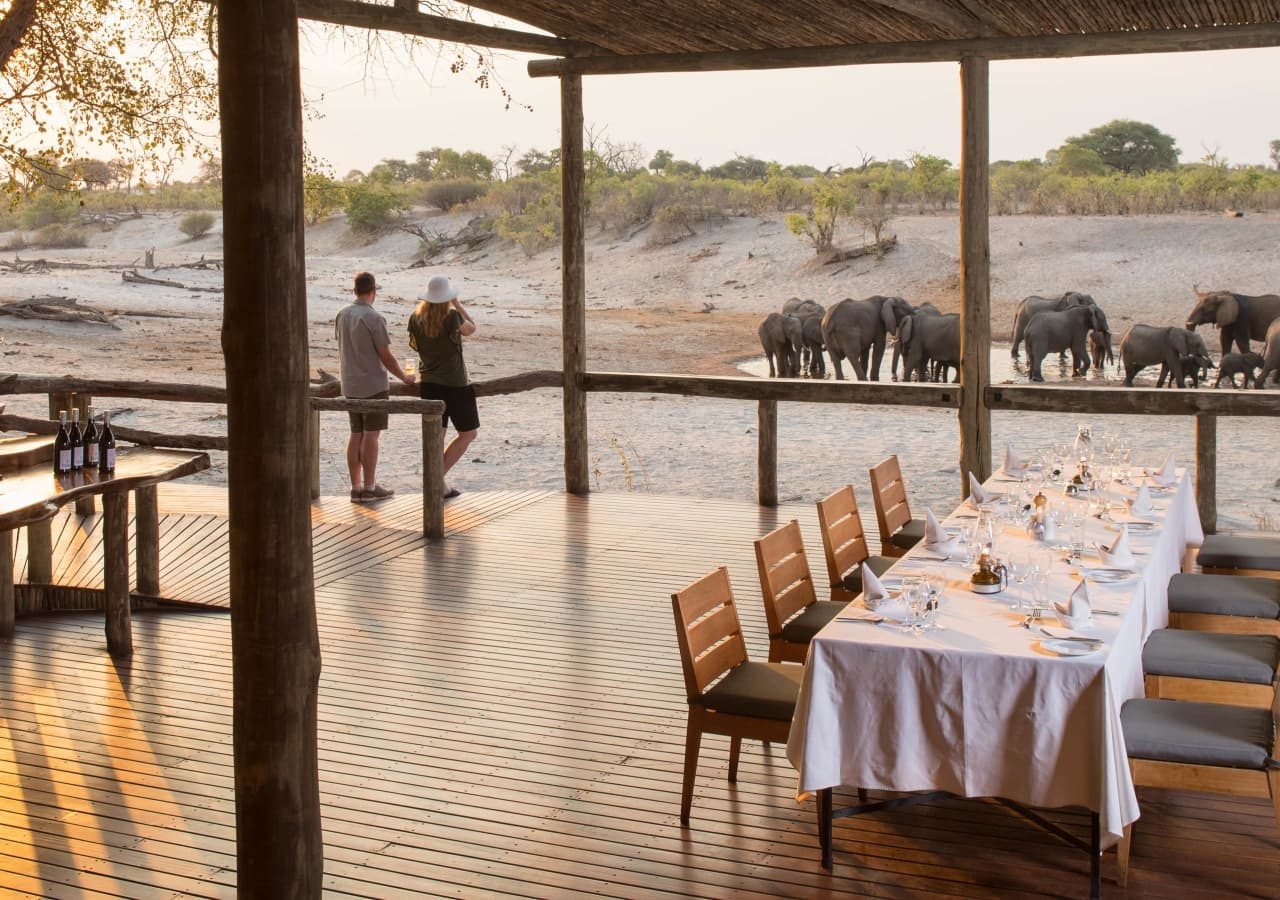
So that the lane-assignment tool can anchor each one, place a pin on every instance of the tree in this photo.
(1134, 148)
(92, 173)
(661, 160)
(1073, 159)
(741, 168)
(535, 162)
(1275, 153)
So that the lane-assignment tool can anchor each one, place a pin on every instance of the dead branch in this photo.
(55, 309)
(132, 276)
(200, 263)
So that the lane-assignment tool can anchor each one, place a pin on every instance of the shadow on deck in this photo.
(500, 713)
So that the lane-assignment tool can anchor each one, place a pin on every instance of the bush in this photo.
(48, 208)
(196, 224)
(321, 197)
(451, 192)
(59, 236)
(370, 206)
(534, 230)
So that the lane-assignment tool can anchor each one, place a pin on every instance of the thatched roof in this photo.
(683, 26)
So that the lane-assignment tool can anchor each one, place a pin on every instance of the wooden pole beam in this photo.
(274, 640)
(975, 273)
(404, 18)
(573, 275)
(1207, 471)
(432, 476)
(767, 452)
(7, 602)
(1056, 46)
(115, 572)
(146, 540)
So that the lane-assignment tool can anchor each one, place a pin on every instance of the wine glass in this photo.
(914, 594)
(932, 600)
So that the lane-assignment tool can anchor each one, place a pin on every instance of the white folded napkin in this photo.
(1077, 608)
(1118, 554)
(873, 592)
(1167, 476)
(936, 538)
(977, 493)
(1014, 465)
(1140, 505)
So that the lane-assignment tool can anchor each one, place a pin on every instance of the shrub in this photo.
(370, 206)
(535, 229)
(48, 208)
(450, 192)
(196, 224)
(59, 236)
(321, 197)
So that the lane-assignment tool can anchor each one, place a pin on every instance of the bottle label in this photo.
(64, 460)
(111, 457)
(92, 451)
(77, 457)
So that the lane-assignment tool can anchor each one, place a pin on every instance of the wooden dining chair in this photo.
(898, 531)
(844, 545)
(1225, 604)
(1237, 669)
(1200, 747)
(728, 694)
(791, 604)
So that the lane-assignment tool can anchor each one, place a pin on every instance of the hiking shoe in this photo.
(357, 495)
(377, 492)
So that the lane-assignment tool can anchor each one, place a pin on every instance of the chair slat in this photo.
(785, 579)
(712, 629)
(703, 595)
(890, 496)
(843, 542)
(718, 661)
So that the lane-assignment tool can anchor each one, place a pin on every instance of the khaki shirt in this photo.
(360, 331)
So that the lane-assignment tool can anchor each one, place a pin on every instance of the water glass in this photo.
(932, 600)
(410, 366)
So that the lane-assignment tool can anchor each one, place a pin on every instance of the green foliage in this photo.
(741, 168)
(321, 196)
(48, 207)
(468, 165)
(818, 225)
(514, 196)
(451, 192)
(1133, 148)
(536, 227)
(664, 158)
(1274, 147)
(1073, 159)
(370, 206)
(59, 237)
(535, 162)
(196, 224)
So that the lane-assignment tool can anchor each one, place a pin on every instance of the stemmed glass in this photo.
(932, 600)
(913, 592)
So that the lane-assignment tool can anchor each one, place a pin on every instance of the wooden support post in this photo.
(573, 274)
(767, 452)
(115, 570)
(975, 274)
(432, 477)
(314, 457)
(275, 645)
(1207, 470)
(40, 553)
(7, 601)
(146, 537)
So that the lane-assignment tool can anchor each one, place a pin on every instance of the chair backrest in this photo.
(785, 580)
(890, 495)
(708, 630)
(843, 542)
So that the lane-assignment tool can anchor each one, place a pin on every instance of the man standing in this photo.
(365, 357)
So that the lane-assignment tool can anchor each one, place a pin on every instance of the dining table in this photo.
(987, 703)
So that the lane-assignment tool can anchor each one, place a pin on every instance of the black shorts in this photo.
(459, 404)
(369, 421)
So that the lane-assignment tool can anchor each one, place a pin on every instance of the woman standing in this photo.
(436, 329)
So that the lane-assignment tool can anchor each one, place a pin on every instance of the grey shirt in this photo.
(360, 331)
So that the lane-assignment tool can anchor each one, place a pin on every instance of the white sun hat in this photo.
(439, 290)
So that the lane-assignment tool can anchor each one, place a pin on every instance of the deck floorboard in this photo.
(501, 714)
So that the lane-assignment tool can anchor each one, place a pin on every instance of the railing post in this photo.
(7, 602)
(432, 477)
(146, 537)
(115, 568)
(314, 449)
(767, 454)
(975, 273)
(1207, 470)
(573, 275)
(40, 552)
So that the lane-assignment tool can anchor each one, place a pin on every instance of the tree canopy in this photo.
(1133, 148)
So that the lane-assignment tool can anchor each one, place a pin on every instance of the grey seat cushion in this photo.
(1243, 658)
(1226, 595)
(1206, 734)
(908, 535)
(1240, 551)
(763, 690)
(878, 564)
(812, 619)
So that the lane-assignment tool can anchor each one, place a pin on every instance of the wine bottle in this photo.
(90, 441)
(77, 442)
(62, 446)
(106, 446)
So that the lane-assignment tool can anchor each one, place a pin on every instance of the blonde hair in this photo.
(431, 317)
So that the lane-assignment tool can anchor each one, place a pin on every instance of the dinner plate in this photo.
(1107, 575)
(1069, 648)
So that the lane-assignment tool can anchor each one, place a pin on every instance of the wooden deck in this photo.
(501, 713)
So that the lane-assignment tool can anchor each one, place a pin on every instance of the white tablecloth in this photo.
(979, 707)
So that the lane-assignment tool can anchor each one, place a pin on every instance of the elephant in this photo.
(1057, 331)
(925, 309)
(929, 339)
(1270, 356)
(856, 330)
(782, 336)
(1193, 370)
(1033, 305)
(1233, 364)
(802, 309)
(1100, 344)
(1240, 318)
(811, 331)
(1149, 345)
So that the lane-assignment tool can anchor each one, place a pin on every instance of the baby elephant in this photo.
(1194, 370)
(1234, 364)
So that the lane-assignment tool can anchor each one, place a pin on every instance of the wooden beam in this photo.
(767, 452)
(275, 645)
(941, 14)
(1133, 401)
(7, 608)
(432, 477)
(146, 540)
(975, 272)
(573, 275)
(404, 18)
(727, 387)
(1207, 470)
(1226, 37)
(115, 572)
(40, 552)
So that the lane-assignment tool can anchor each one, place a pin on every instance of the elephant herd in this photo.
(928, 342)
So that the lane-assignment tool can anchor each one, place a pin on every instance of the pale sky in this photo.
(1207, 101)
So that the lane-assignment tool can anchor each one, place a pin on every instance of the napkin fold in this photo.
(1118, 554)
(1167, 476)
(1014, 464)
(1077, 607)
(873, 592)
(936, 538)
(1140, 505)
(977, 493)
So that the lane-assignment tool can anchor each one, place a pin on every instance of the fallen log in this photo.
(55, 309)
(133, 276)
(21, 265)
(879, 248)
(200, 263)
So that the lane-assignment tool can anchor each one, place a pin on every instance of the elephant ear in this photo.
(1228, 310)
(887, 315)
(904, 330)
(1182, 341)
